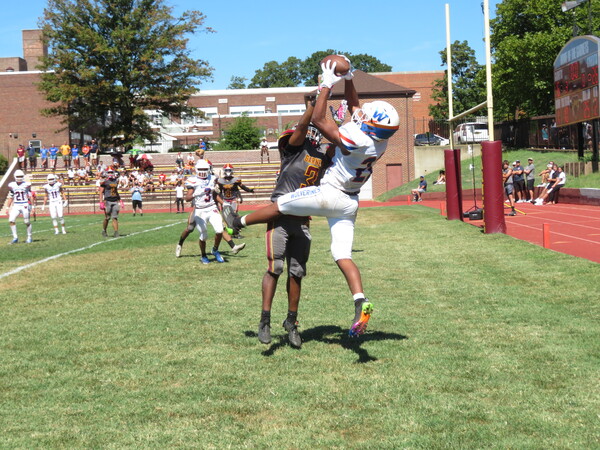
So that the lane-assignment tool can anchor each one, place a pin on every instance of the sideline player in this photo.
(18, 203)
(288, 238)
(110, 202)
(56, 199)
(201, 192)
(359, 144)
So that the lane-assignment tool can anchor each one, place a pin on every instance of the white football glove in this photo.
(43, 207)
(65, 203)
(350, 74)
(328, 78)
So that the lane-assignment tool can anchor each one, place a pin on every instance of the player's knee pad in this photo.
(203, 235)
(191, 226)
(27, 222)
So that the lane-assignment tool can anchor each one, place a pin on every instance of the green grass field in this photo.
(477, 341)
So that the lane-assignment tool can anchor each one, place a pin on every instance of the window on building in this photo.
(291, 109)
(250, 110)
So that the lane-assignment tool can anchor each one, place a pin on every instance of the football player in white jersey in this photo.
(18, 203)
(359, 144)
(201, 192)
(56, 199)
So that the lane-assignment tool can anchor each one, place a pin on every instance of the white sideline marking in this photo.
(50, 258)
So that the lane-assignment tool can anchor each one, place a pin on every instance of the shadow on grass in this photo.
(330, 334)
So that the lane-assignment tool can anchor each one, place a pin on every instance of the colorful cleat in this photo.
(363, 309)
(178, 251)
(205, 260)
(14, 241)
(29, 240)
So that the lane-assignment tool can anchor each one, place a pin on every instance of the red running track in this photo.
(573, 229)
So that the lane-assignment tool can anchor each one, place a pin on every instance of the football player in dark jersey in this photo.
(303, 161)
(110, 202)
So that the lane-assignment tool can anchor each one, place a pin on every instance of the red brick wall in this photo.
(20, 104)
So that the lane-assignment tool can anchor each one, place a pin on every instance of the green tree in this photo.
(295, 72)
(237, 83)
(526, 38)
(242, 134)
(274, 74)
(112, 59)
(468, 82)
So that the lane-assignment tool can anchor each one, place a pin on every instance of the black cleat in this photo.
(293, 335)
(264, 332)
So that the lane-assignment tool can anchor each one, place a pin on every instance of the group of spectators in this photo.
(72, 157)
(519, 183)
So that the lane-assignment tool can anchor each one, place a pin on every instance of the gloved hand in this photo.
(102, 206)
(350, 74)
(328, 77)
(65, 203)
(43, 208)
(121, 204)
(252, 191)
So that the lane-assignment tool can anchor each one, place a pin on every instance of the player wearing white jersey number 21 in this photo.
(19, 203)
(359, 144)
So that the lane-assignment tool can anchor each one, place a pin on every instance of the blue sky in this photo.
(407, 35)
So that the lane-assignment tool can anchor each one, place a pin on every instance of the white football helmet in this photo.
(379, 120)
(19, 175)
(51, 178)
(228, 170)
(202, 168)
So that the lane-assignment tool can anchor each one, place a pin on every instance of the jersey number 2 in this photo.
(363, 173)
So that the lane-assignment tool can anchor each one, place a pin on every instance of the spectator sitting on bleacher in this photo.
(162, 181)
(71, 176)
(189, 167)
(101, 168)
(82, 176)
(173, 178)
(123, 180)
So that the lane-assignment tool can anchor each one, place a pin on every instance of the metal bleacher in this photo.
(83, 198)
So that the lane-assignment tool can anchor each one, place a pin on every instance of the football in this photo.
(342, 66)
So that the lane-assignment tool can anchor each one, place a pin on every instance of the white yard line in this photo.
(59, 255)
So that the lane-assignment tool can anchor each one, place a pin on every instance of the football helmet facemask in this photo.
(202, 168)
(378, 120)
(51, 178)
(19, 175)
(228, 170)
(314, 136)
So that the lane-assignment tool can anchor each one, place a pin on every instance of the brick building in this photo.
(274, 109)
(21, 121)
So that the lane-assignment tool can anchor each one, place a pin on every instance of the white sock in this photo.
(13, 228)
(243, 220)
(359, 296)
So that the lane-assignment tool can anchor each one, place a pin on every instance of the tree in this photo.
(526, 38)
(273, 74)
(468, 82)
(242, 134)
(294, 72)
(237, 83)
(112, 59)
